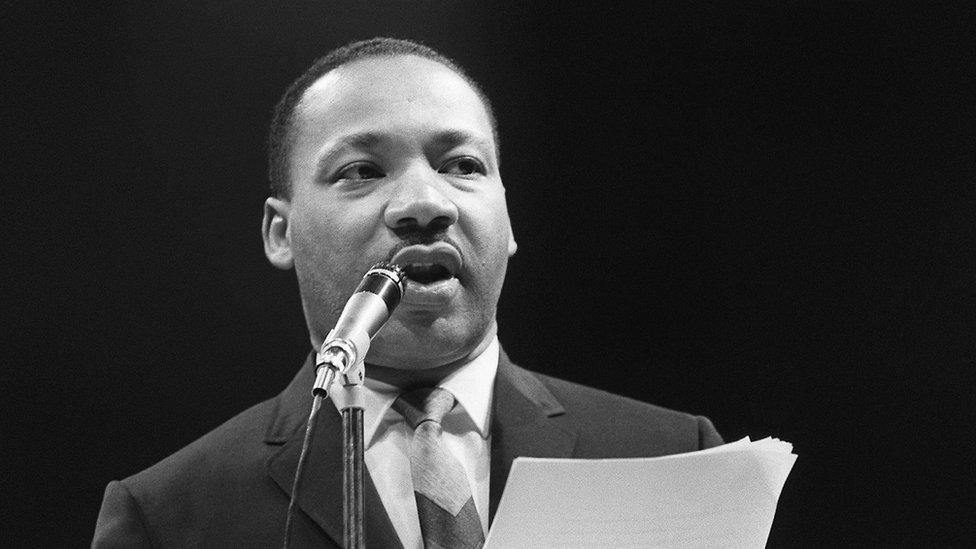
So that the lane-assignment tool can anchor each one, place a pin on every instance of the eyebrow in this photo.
(453, 138)
(364, 140)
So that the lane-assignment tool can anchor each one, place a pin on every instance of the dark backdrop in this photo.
(761, 214)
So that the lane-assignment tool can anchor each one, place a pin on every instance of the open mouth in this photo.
(429, 264)
(427, 273)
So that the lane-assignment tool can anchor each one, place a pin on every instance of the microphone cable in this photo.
(303, 457)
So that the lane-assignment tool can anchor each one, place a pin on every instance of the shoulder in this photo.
(613, 425)
(232, 449)
(209, 486)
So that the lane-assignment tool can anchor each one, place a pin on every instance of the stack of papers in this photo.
(721, 497)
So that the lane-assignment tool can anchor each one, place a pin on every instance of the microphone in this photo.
(342, 353)
(370, 306)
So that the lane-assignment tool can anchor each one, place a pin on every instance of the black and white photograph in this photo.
(458, 274)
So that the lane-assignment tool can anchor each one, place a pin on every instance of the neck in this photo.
(408, 379)
(412, 379)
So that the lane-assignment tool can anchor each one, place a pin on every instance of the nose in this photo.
(419, 204)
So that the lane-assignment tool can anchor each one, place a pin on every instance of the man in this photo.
(386, 150)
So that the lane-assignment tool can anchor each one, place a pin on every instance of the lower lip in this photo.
(435, 293)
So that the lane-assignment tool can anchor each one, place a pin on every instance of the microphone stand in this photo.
(352, 406)
(352, 457)
(363, 315)
(330, 367)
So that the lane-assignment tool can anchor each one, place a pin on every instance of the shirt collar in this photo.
(470, 384)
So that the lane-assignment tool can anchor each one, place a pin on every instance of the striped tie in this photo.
(448, 517)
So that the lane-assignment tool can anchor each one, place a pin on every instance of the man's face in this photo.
(394, 156)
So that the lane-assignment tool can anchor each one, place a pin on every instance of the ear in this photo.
(276, 233)
(512, 245)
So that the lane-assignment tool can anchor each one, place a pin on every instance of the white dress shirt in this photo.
(466, 430)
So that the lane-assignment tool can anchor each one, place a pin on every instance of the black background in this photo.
(762, 214)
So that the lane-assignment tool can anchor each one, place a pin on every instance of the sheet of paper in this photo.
(721, 497)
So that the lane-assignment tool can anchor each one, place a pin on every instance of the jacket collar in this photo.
(524, 423)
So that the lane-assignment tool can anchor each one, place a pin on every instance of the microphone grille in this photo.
(389, 270)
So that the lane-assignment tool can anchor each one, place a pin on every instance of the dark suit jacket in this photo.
(231, 487)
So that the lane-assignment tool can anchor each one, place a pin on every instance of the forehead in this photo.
(401, 93)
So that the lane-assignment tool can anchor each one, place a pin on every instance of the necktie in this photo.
(448, 517)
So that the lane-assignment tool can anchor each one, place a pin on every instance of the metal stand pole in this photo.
(354, 402)
(352, 478)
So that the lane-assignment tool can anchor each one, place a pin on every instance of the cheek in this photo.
(488, 229)
(323, 232)
(311, 237)
(334, 246)
(324, 265)
(497, 230)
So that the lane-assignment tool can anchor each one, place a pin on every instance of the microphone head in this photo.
(391, 271)
(386, 280)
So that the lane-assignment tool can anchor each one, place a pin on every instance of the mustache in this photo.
(415, 236)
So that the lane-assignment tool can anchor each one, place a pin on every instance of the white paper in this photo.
(721, 497)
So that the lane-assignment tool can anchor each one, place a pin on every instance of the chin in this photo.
(425, 342)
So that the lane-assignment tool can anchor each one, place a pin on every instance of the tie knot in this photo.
(424, 405)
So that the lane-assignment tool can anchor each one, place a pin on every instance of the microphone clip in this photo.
(340, 359)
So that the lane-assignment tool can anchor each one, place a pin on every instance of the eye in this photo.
(464, 165)
(360, 171)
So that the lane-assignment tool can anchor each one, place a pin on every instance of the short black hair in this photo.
(280, 135)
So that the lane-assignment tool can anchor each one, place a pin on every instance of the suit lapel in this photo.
(320, 494)
(523, 424)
